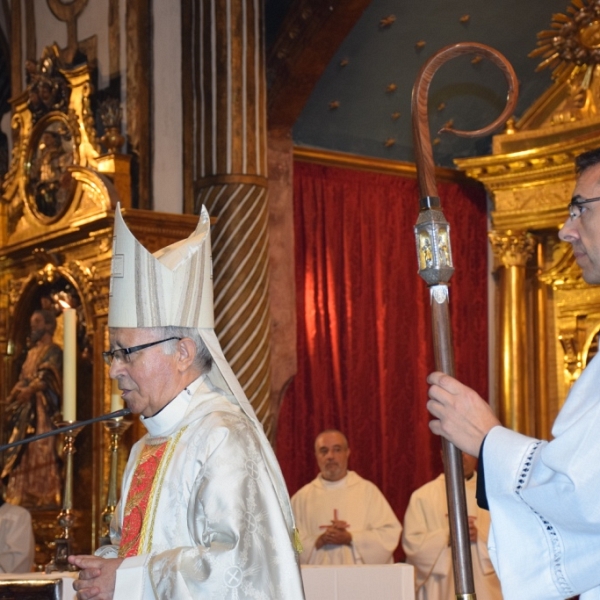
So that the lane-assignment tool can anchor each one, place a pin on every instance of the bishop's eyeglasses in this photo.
(576, 204)
(123, 354)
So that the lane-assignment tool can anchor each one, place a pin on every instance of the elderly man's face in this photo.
(583, 233)
(332, 455)
(147, 380)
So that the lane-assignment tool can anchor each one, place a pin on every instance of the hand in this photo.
(336, 534)
(472, 529)
(25, 395)
(463, 417)
(96, 578)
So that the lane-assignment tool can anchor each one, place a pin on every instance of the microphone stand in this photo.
(66, 426)
(66, 517)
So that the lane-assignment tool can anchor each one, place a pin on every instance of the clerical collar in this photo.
(163, 422)
(334, 485)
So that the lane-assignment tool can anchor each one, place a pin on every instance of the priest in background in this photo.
(426, 540)
(17, 545)
(343, 518)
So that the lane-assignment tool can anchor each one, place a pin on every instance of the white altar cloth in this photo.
(359, 582)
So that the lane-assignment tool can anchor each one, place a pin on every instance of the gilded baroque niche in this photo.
(58, 174)
(49, 183)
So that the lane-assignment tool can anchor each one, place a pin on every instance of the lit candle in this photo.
(116, 400)
(69, 404)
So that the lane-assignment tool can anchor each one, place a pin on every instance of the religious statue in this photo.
(426, 255)
(51, 181)
(443, 248)
(32, 471)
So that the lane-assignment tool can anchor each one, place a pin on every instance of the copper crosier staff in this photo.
(432, 233)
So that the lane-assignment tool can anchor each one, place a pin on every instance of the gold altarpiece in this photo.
(547, 317)
(56, 220)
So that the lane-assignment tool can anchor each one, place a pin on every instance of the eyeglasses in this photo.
(122, 354)
(576, 204)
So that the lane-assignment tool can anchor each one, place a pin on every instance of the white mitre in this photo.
(173, 287)
(170, 288)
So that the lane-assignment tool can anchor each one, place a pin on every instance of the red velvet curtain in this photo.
(364, 334)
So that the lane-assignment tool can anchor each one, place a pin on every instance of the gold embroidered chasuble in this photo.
(137, 517)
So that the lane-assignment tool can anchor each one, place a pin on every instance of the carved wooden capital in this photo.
(512, 249)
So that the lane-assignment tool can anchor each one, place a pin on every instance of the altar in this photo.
(37, 586)
(357, 582)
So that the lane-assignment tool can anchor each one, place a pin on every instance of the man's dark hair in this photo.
(586, 160)
(49, 318)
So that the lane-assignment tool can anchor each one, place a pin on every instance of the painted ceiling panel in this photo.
(354, 106)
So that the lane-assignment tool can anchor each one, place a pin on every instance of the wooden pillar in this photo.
(230, 179)
(16, 50)
(512, 250)
(138, 21)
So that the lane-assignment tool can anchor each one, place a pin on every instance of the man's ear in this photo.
(186, 353)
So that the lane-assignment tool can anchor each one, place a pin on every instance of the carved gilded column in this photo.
(512, 250)
(230, 165)
(542, 341)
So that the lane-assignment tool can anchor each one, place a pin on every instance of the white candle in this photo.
(116, 400)
(69, 404)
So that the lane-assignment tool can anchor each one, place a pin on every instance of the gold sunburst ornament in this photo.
(574, 39)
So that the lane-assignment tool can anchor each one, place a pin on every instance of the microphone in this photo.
(75, 425)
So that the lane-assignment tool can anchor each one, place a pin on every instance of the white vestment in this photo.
(374, 527)
(17, 546)
(214, 527)
(544, 500)
(426, 543)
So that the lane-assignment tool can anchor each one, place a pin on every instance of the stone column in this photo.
(512, 250)
(230, 178)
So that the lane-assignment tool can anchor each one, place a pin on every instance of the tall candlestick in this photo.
(116, 400)
(69, 405)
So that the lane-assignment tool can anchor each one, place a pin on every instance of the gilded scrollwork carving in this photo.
(87, 114)
(84, 276)
(572, 357)
(54, 177)
(18, 151)
(496, 172)
(564, 272)
(53, 148)
(15, 291)
(47, 89)
(512, 249)
(536, 198)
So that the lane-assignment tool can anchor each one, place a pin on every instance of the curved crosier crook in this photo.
(421, 135)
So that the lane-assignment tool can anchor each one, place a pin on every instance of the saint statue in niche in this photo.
(32, 471)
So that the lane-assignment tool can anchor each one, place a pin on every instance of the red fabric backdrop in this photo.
(364, 335)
